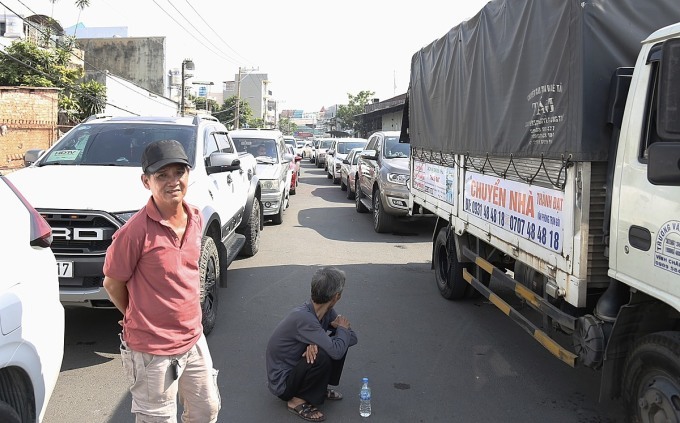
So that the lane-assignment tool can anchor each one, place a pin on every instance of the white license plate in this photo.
(65, 269)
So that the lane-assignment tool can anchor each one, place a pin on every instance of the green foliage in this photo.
(287, 126)
(26, 64)
(255, 123)
(228, 111)
(347, 114)
(201, 104)
(91, 97)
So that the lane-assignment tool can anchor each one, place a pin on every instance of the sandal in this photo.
(305, 411)
(334, 395)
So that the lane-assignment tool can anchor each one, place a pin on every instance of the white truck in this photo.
(551, 157)
(88, 185)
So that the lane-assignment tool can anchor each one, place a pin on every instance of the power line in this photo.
(72, 87)
(215, 32)
(46, 35)
(192, 35)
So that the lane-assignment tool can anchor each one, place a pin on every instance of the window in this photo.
(650, 134)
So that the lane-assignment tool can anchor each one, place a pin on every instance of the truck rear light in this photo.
(41, 233)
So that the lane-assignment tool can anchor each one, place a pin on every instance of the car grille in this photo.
(80, 233)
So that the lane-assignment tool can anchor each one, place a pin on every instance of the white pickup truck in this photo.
(545, 136)
(88, 185)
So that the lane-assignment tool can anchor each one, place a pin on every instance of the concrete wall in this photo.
(125, 98)
(140, 60)
(28, 120)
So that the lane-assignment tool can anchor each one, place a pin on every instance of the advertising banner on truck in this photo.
(530, 211)
(435, 180)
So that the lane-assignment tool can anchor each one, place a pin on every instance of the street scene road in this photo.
(427, 359)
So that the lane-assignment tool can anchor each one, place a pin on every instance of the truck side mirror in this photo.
(668, 110)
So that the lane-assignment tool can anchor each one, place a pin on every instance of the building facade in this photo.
(254, 88)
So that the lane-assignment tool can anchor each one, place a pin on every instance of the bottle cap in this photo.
(365, 379)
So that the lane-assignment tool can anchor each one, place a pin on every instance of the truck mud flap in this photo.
(530, 297)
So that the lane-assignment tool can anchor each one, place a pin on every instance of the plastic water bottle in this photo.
(365, 399)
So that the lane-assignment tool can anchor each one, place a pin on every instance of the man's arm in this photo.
(118, 293)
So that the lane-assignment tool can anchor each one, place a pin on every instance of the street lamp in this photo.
(187, 64)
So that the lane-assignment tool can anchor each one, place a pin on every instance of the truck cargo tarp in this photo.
(528, 77)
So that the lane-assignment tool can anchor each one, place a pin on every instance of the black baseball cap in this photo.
(162, 153)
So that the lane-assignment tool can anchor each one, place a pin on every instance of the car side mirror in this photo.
(287, 157)
(345, 161)
(219, 162)
(31, 156)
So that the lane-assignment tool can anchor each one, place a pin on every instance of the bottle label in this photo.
(365, 395)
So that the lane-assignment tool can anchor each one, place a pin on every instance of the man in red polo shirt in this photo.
(152, 276)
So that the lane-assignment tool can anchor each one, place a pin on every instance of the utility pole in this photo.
(238, 100)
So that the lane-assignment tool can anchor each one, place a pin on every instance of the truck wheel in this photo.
(357, 198)
(209, 267)
(382, 222)
(448, 271)
(650, 383)
(252, 232)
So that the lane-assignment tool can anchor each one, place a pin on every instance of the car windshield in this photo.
(394, 149)
(345, 147)
(115, 144)
(264, 149)
(325, 143)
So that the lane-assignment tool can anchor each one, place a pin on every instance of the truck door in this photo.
(646, 220)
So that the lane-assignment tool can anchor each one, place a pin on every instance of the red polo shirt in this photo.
(163, 316)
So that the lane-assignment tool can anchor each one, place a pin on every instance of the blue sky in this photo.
(313, 52)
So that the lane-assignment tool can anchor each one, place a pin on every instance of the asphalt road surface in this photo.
(427, 359)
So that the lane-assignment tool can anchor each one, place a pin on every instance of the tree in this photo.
(347, 114)
(287, 126)
(256, 123)
(25, 64)
(201, 104)
(228, 110)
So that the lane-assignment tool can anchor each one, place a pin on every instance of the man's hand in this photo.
(340, 321)
(310, 353)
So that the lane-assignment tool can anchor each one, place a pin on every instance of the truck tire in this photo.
(650, 383)
(209, 268)
(252, 231)
(357, 198)
(382, 222)
(448, 271)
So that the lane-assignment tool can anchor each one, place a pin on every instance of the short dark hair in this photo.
(326, 282)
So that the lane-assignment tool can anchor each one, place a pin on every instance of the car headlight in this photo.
(397, 178)
(270, 184)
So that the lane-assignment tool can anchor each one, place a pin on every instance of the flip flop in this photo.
(305, 412)
(334, 395)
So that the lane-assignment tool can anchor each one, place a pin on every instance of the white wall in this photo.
(128, 99)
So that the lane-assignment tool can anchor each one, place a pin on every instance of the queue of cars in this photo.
(373, 173)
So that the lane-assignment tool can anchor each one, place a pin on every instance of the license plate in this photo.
(65, 269)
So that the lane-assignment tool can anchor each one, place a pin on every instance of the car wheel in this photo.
(209, 268)
(343, 185)
(277, 219)
(292, 190)
(252, 231)
(8, 414)
(350, 193)
(650, 390)
(357, 198)
(382, 222)
(335, 180)
(328, 173)
(448, 271)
